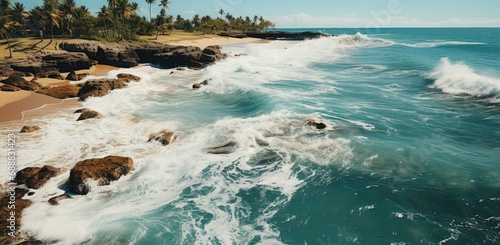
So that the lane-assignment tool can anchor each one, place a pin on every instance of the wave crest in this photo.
(460, 79)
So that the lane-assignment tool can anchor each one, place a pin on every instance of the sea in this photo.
(410, 154)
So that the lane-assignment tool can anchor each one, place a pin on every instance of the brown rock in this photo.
(164, 137)
(88, 114)
(99, 88)
(5, 213)
(315, 124)
(66, 62)
(61, 92)
(55, 200)
(29, 129)
(72, 76)
(19, 82)
(82, 110)
(9, 88)
(128, 78)
(199, 85)
(50, 74)
(102, 170)
(35, 177)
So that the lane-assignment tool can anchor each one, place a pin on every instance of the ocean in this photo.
(410, 155)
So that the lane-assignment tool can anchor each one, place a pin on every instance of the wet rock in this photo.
(72, 76)
(55, 200)
(164, 137)
(99, 88)
(5, 212)
(315, 124)
(19, 82)
(89, 48)
(9, 88)
(199, 85)
(103, 170)
(116, 55)
(261, 142)
(211, 54)
(61, 92)
(123, 77)
(82, 110)
(29, 129)
(36, 177)
(224, 149)
(88, 114)
(55, 74)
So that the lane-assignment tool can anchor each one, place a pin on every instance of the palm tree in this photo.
(165, 4)
(104, 16)
(5, 22)
(150, 2)
(51, 14)
(221, 12)
(18, 13)
(196, 21)
(125, 11)
(67, 9)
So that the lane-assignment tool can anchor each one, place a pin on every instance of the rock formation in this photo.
(36, 177)
(61, 92)
(103, 170)
(29, 129)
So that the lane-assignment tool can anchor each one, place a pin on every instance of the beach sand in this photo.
(12, 104)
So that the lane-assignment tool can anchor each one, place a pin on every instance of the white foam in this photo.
(460, 79)
(438, 43)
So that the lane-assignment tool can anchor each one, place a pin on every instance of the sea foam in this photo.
(460, 79)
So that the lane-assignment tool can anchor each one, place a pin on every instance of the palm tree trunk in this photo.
(8, 41)
(150, 12)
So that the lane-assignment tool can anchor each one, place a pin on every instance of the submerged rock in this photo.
(61, 92)
(103, 170)
(199, 85)
(55, 200)
(36, 177)
(88, 114)
(224, 149)
(29, 129)
(82, 110)
(123, 77)
(164, 137)
(315, 124)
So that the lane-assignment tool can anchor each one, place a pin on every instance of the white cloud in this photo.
(351, 20)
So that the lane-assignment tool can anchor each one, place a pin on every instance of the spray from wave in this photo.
(460, 79)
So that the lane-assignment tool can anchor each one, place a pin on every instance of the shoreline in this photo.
(14, 104)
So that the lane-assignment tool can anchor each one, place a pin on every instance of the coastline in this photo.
(13, 104)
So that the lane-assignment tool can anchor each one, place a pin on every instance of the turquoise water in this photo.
(411, 153)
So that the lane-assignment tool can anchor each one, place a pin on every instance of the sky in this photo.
(333, 13)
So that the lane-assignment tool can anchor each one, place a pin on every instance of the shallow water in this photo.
(410, 154)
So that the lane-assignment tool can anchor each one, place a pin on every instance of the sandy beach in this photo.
(12, 104)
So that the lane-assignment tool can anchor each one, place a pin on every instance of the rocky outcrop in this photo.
(72, 76)
(55, 200)
(164, 137)
(29, 129)
(82, 110)
(6, 226)
(166, 56)
(61, 92)
(99, 87)
(116, 55)
(36, 177)
(19, 82)
(49, 65)
(315, 124)
(103, 170)
(224, 149)
(123, 77)
(50, 74)
(88, 114)
(9, 88)
(199, 85)
(67, 61)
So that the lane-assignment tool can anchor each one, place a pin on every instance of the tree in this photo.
(18, 14)
(150, 2)
(67, 10)
(124, 11)
(221, 12)
(196, 21)
(51, 16)
(104, 16)
(5, 22)
(165, 4)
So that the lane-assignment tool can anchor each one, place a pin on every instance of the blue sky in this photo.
(335, 13)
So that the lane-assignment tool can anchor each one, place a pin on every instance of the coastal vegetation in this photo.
(116, 20)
